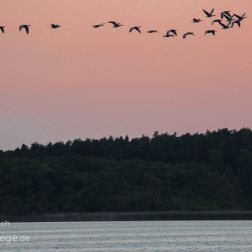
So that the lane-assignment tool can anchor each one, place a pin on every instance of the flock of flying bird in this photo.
(226, 21)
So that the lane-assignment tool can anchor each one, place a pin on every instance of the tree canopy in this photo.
(210, 171)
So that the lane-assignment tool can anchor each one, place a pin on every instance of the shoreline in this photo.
(133, 216)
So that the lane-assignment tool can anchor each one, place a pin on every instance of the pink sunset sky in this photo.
(78, 82)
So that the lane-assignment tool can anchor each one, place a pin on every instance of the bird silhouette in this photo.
(169, 35)
(55, 26)
(224, 26)
(188, 34)
(152, 31)
(25, 27)
(229, 19)
(115, 24)
(226, 14)
(98, 25)
(216, 21)
(213, 32)
(135, 28)
(209, 14)
(173, 31)
(240, 18)
(236, 22)
(2, 29)
(196, 20)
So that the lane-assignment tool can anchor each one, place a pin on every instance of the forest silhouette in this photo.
(165, 172)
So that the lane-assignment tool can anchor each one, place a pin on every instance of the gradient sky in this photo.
(78, 82)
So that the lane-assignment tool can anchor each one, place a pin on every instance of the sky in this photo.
(79, 82)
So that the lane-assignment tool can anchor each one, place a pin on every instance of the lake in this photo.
(175, 236)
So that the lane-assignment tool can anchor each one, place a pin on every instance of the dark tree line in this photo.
(211, 171)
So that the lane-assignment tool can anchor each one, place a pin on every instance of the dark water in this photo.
(175, 236)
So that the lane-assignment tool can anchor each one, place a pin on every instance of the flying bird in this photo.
(173, 31)
(240, 18)
(229, 18)
(2, 29)
(216, 21)
(213, 32)
(98, 25)
(152, 31)
(135, 28)
(226, 14)
(55, 26)
(169, 35)
(115, 24)
(225, 26)
(25, 27)
(209, 14)
(237, 22)
(196, 20)
(188, 34)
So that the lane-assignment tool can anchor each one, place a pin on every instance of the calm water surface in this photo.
(175, 236)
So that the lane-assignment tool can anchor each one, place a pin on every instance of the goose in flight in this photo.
(135, 28)
(237, 22)
(174, 32)
(2, 29)
(216, 21)
(98, 25)
(240, 18)
(224, 26)
(188, 34)
(226, 14)
(213, 32)
(55, 26)
(169, 35)
(152, 31)
(25, 27)
(209, 14)
(115, 24)
(196, 20)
